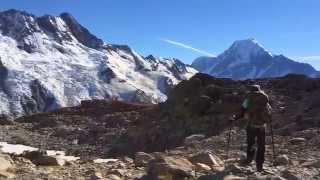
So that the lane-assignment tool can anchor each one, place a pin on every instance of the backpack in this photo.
(257, 107)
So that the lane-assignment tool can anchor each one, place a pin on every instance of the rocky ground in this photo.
(183, 138)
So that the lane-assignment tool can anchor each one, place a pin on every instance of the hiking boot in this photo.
(259, 167)
(245, 162)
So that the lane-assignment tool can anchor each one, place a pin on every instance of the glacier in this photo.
(50, 62)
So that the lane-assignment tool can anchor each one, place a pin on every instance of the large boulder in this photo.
(5, 162)
(206, 158)
(193, 139)
(221, 176)
(290, 175)
(296, 141)
(6, 120)
(312, 164)
(142, 159)
(40, 158)
(282, 160)
(166, 167)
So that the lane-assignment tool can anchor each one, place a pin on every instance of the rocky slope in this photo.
(50, 62)
(247, 59)
(183, 138)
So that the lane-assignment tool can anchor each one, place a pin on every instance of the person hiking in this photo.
(257, 110)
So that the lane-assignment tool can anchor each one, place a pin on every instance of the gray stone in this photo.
(314, 164)
(5, 162)
(195, 138)
(282, 160)
(206, 158)
(113, 177)
(297, 141)
(221, 176)
(142, 159)
(168, 167)
(40, 158)
(289, 175)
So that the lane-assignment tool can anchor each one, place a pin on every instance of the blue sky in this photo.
(186, 29)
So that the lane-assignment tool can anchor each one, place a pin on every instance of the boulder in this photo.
(297, 141)
(289, 175)
(6, 120)
(234, 168)
(113, 177)
(166, 167)
(40, 158)
(312, 164)
(118, 172)
(202, 167)
(206, 158)
(282, 160)
(5, 162)
(269, 177)
(192, 139)
(97, 176)
(142, 159)
(221, 176)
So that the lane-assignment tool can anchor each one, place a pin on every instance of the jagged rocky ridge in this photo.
(50, 62)
(247, 59)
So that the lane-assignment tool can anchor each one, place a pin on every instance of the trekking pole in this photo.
(272, 141)
(228, 144)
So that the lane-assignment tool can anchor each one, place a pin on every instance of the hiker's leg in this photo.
(261, 148)
(250, 143)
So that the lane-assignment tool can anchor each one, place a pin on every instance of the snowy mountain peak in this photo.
(15, 12)
(247, 43)
(245, 49)
(28, 29)
(81, 33)
(247, 59)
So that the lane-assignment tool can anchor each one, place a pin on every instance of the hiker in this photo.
(257, 110)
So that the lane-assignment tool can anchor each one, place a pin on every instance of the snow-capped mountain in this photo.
(52, 61)
(247, 59)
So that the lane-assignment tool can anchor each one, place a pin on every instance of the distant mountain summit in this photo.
(247, 59)
(50, 62)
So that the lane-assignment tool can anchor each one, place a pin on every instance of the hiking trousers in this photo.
(256, 135)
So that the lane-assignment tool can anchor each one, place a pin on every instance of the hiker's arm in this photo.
(269, 118)
(240, 114)
(244, 107)
(243, 110)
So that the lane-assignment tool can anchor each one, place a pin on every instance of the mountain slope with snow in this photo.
(247, 59)
(52, 61)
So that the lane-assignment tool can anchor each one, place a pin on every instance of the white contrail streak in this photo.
(187, 47)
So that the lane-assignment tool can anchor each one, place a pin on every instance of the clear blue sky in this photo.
(289, 27)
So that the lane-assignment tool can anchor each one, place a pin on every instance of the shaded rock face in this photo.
(107, 75)
(3, 75)
(41, 100)
(140, 96)
(81, 33)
